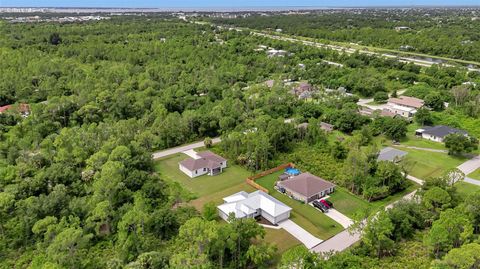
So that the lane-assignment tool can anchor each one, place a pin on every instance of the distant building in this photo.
(402, 28)
(252, 205)
(23, 109)
(326, 127)
(202, 163)
(276, 53)
(404, 106)
(303, 90)
(438, 133)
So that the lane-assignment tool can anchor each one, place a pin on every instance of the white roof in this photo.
(251, 203)
(236, 197)
(403, 108)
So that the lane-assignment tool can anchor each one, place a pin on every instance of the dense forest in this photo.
(78, 187)
(451, 33)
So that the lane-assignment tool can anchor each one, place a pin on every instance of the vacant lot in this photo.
(304, 215)
(202, 185)
(427, 164)
(347, 203)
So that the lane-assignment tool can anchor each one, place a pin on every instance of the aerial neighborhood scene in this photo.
(251, 134)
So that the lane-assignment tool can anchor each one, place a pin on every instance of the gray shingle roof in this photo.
(442, 131)
(390, 154)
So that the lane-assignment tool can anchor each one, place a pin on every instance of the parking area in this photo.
(301, 234)
(333, 213)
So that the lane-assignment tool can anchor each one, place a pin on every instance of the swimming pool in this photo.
(292, 171)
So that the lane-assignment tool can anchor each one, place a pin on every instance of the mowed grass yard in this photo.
(475, 174)
(304, 215)
(430, 164)
(215, 188)
(204, 185)
(465, 188)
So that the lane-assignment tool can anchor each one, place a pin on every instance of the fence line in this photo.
(251, 180)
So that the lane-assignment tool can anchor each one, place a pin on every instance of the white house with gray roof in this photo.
(438, 133)
(251, 205)
(391, 154)
(202, 163)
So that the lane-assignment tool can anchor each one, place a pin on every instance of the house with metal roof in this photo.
(438, 133)
(201, 163)
(251, 205)
(306, 187)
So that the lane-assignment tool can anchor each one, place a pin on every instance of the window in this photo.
(204, 169)
(195, 171)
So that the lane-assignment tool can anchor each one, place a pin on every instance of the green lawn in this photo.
(304, 215)
(427, 164)
(475, 174)
(465, 188)
(233, 175)
(347, 203)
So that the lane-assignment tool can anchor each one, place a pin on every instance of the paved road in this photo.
(420, 62)
(298, 232)
(424, 149)
(470, 165)
(170, 151)
(472, 181)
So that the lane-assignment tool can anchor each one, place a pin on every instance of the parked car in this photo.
(325, 203)
(320, 206)
(329, 203)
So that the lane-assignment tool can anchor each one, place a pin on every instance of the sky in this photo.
(230, 3)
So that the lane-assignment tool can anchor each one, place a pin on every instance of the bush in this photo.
(380, 97)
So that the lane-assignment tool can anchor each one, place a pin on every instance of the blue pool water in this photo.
(292, 171)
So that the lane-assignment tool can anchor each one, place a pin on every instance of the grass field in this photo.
(304, 215)
(475, 174)
(465, 188)
(427, 164)
(347, 203)
(203, 185)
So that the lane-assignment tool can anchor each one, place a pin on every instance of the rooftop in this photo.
(407, 101)
(307, 184)
(243, 203)
(441, 131)
(205, 159)
(390, 154)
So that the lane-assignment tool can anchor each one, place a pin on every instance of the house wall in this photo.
(282, 217)
(194, 173)
(398, 111)
(432, 138)
(185, 170)
(222, 214)
(268, 217)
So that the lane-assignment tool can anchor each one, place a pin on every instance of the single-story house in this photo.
(391, 154)
(326, 127)
(202, 163)
(251, 205)
(306, 187)
(438, 133)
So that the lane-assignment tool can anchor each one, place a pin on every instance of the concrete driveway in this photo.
(338, 243)
(472, 181)
(470, 165)
(339, 217)
(301, 234)
(171, 151)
